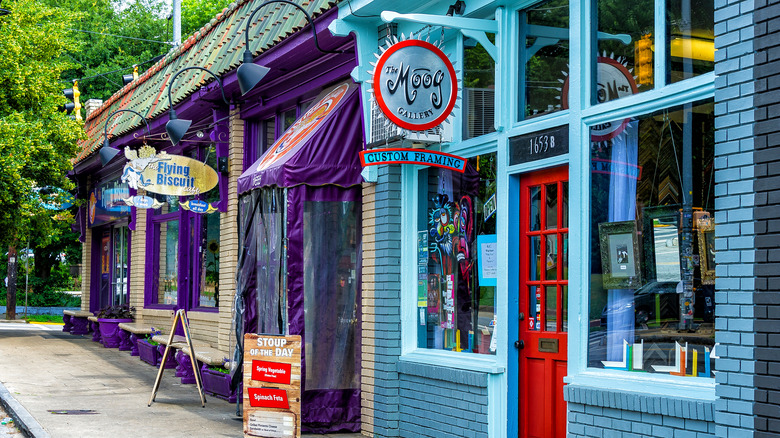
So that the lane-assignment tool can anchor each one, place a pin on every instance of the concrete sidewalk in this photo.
(73, 387)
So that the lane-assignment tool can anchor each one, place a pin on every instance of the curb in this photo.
(22, 419)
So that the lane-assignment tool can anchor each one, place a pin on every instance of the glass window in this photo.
(267, 136)
(288, 118)
(652, 254)
(690, 38)
(456, 241)
(624, 55)
(168, 250)
(164, 238)
(120, 283)
(177, 231)
(479, 79)
(544, 59)
(205, 243)
(207, 259)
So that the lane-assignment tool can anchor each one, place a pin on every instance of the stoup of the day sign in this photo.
(272, 386)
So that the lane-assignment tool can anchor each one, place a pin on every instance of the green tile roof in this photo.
(217, 46)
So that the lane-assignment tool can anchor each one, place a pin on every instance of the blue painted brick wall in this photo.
(736, 96)
(603, 413)
(387, 280)
(442, 402)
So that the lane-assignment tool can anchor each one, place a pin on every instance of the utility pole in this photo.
(10, 302)
(176, 22)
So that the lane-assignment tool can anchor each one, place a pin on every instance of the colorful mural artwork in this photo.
(451, 233)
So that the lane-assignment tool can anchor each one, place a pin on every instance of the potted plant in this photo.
(147, 349)
(108, 323)
(216, 381)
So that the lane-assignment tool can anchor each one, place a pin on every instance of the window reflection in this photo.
(652, 280)
(479, 79)
(545, 57)
(691, 38)
(625, 36)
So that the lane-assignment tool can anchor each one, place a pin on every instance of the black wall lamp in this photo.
(250, 74)
(176, 128)
(4, 11)
(457, 8)
(107, 153)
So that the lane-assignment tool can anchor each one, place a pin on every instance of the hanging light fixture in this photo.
(3, 11)
(250, 74)
(107, 153)
(176, 128)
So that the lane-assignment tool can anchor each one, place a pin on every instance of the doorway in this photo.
(113, 243)
(544, 290)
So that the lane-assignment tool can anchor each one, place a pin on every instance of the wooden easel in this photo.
(180, 316)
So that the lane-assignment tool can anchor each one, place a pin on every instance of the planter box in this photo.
(94, 326)
(109, 331)
(148, 352)
(217, 384)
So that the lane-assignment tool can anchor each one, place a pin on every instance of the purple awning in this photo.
(320, 148)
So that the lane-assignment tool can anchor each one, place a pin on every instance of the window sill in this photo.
(158, 311)
(480, 363)
(692, 388)
(203, 314)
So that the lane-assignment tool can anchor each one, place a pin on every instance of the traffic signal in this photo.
(643, 59)
(126, 79)
(73, 95)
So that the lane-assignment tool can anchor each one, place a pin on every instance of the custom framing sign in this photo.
(272, 386)
(412, 156)
(414, 84)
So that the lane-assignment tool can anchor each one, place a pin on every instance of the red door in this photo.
(544, 284)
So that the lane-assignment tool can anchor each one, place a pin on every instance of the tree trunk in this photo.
(10, 306)
(43, 264)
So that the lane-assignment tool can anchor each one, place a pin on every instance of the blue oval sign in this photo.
(198, 206)
(54, 198)
(142, 201)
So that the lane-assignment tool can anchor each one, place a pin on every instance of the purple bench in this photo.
(76, 321)
(131, 333)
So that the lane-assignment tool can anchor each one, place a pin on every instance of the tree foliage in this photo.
(196, 13)
(37, 141)
(102, 51)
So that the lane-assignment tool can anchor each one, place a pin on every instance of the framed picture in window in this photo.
(661, 244)
(707, 252)
(619, 251)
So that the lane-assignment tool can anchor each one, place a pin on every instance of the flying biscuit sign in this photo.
(165, 174)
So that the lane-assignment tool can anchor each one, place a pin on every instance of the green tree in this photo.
(36, 140)
(196, 13)
(102, 50)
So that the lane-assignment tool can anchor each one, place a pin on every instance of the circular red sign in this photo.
(381, 99)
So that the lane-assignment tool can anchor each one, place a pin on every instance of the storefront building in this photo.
(566, 281)
(185, 249)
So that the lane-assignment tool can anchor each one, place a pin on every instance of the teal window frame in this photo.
(583, 114)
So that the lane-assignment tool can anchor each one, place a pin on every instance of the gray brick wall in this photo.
(442, 402)
(766, 391)
(604, 414)
(735, 231)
